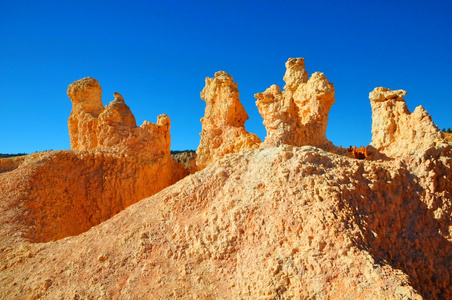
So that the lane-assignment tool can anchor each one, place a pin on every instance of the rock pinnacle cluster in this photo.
(298, 115)
(91, 125)
(292, 217)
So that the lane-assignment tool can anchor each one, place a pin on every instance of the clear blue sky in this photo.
(158, 53)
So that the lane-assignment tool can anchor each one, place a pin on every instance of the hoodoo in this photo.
(397, 133)
(113, 164)
(298, 115)
(113, 127)
(223, 125)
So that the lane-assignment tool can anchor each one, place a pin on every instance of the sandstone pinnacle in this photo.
(113, 164)
(223, 125)
(398, 133)
(92, 126)
(297, 116)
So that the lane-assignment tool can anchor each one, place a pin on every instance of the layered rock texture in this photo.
(223, 125)
(298, 115)
(280, 221)
(396, 131)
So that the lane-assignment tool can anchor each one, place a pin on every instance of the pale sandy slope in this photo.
(276, 223)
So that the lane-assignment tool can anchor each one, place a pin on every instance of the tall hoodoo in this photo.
(297, 116)
(223, 124)
(86, 97)
(395, 131)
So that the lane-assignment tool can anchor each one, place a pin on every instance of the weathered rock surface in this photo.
(223, 125)
(283, 222)
(65, 193)
(93, 126)
(187, 159)
(399, 133)
(448, 136)
(297, 116)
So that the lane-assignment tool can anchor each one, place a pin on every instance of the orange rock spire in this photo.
(223, 124)
(297, 116)
(91, 125)
(396, 131)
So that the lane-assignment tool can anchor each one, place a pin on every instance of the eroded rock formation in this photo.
(93, 126)
(113, 164)
(65, 193)
(397, 132)
(223, 124)
(297, 116)
(284, 222)
(359, 153)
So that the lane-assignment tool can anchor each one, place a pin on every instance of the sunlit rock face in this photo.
(223, 125)
(91, 125)
(113, 164)
(276, 223)
(396, 132)
(86, 97)
(298, 115)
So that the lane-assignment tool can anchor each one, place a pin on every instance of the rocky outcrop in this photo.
(113, 164)
(187, 159)
(223, 125)
(398, 133)
(93, 126)
(276, 223)
(65, 193)
(297, 116)
(359, 153)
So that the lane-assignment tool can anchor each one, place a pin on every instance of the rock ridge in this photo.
(293, 217)
(112, 164)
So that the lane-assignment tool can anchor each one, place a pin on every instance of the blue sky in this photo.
(158, 53)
